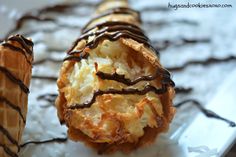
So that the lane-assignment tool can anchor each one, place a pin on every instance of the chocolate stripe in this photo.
(48, 97)
(77, 58)
(25, 18)
(115, 36)
(127, 33)
(208, 61)
(75, 52)
(110, 23)
(61, 8)
(14, 48)
(13, 106)
(50, 78)
(183, 90)
(47, 60)
(14, 79)
(59, 140)
(122, 79)
(36, 14)
(147, 89)
(25, 43)
(8, 150)
(9, 137)
(117, 30)
(118, 10)
(114, 31)
(206, 112)
(132, 31)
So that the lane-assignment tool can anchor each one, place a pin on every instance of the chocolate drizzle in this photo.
(59, 140)
(51, 97)
(206, 112)
(111, 23)
(8, 151)
(208, 61)
(37, 14)
(49, 78)
(9, 137)
(48, 97)
(47, 60)
(128, 91)
(25, 50)
(181, 42)
(62, 8)
(183, 90)
(118, 10)
(13, 106)
(77, 58)
(24, 18)
(122, 79)
(25, 43)
(112, 31)
(115, 27)
(56, 8)
(14, 48)
(154, 24)
(14, 79)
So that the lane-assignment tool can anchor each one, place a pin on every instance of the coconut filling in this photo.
(113, 117)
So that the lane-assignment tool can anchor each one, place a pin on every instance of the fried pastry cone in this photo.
(113, 92)
(16, 59)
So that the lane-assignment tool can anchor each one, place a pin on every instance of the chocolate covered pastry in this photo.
(16, 59)
(113, 92)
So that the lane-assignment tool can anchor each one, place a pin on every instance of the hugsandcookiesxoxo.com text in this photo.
(198, 5)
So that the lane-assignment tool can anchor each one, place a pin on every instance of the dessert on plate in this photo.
(16, 57)
(113, 92)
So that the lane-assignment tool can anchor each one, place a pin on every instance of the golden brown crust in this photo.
(149, 133)
(119, 135)
(149, 55)
(104, 148)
